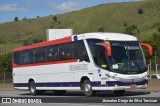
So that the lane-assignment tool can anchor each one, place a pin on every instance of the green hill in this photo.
(114, 17)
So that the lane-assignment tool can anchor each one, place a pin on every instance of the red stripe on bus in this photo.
(42, 44)
(45, 63)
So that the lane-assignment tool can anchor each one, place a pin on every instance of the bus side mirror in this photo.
(107, 47)
(149, 47)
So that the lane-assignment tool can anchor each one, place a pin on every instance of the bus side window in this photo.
(40, 54)
(65, 51)
(32, 57)
(52, 53)
(79, 51)
(94, 48)
(17, 58)
(24, 57)
(102, 59)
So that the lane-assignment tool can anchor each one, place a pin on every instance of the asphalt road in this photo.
(76, 98)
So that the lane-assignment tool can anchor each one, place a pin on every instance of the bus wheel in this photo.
(32, 88)
(119, 92)
(59, 92)
(87, 88)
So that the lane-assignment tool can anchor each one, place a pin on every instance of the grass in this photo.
(107, 16)
(4, 47)
(147, 34)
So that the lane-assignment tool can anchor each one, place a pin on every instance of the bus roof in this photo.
(96, 35)
(110, 36)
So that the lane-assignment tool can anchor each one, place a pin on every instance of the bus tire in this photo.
(32, 88)
(119, 92)
(59, 92)
(87, 88)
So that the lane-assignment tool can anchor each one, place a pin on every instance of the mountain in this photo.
(138, 18)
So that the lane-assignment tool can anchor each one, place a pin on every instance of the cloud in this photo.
(65, 6)
(12, 8)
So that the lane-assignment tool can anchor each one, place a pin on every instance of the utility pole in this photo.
(150, 66)
(155, 60)
(155, 57)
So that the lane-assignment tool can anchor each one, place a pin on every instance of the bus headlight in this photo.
(118, 78)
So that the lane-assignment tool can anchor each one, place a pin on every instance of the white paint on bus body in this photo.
(72, 72)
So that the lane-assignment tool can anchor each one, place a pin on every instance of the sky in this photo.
(9, 9)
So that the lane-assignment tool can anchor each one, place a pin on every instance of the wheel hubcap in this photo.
(87, 88)
(32, 88)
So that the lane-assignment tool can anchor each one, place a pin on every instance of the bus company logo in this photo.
(6, 100)
(78, 67)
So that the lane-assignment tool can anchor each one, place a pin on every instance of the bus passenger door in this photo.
(101, 63)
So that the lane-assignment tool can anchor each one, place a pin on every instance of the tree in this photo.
(16, 19)
(140, 11)
(156, 36)
(6, 62)
(101, 29)
(158, 29)
(59, 22)
(132, 30)
(37, 40)
(55, 18)
(27, 42)
(25, 18)
(52, 27)
(125, 24)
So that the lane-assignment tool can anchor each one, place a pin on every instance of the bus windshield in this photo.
(127, 58)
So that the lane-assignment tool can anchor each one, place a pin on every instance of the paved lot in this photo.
(76, 98)
(133, 93)
(67, 99)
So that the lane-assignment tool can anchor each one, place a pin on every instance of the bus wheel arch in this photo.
(32, 87)
(82, 81)
(29, 81)
(86, 86)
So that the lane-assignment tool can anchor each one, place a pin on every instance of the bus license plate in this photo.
(133, 85)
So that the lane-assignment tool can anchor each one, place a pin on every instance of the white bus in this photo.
(90, 62)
